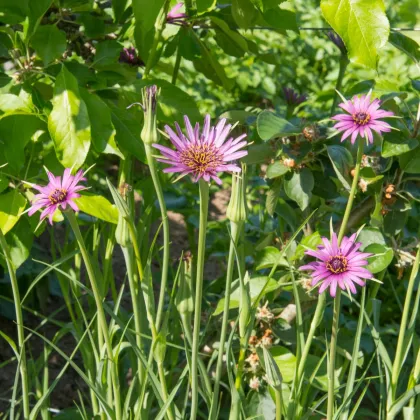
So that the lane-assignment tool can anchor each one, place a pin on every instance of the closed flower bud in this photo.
(149, 133)
(273, 375)
(245, 305)
(122, 235)
(184, 299)
(159, 347)
(237, 209)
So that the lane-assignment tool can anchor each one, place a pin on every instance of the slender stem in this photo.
(235, 233)
(159, 27)
(177, 65)
(396, 367)
(278, 404)
(337, 300)
(344, 61)
(99, 307)
(241, 364)
(204, 207)
(19, 322)
(165, 222)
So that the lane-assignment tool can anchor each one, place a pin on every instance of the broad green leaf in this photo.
(205, 5)
(16, 130)
(49, 43)
(145, 15)
(6, 44)
(299, 186)
(119, 7)
(370, 236)
(382, 257)
(259, 405)
(286, 361)
(244, 13)
(342, 161)
(97, 206)
(12, 205)
(410, 162)
(258, 153)
(270, 125)
(362, 25)
(13, 103)
(102, 129)
(269, 257)
(397, 143)
(277, 169)
(406, 45)
(37, 10)
(281, 19)
(107, 53)
(14, 11)
(68, 121)
(188, 45)
(231, 41)
(272, 197)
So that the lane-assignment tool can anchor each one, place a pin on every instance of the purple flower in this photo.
(174, 17)
(203, 154)
(58, 193)
(340, 265)
(129, 56)
(292, 97)
(363, 117)
(336, 39)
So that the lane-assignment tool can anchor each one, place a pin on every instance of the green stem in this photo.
(337, 300)
(396, 367)
(241, 364)
(165, 222)
(278, 404)
(177, 65)
(204, 207)
(235, 233)
(344, 61)
(99, 307)
(159, 27)
(19, 323)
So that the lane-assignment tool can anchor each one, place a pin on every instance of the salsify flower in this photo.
(292, 97)
(338, 265)
(363, 117)
(174, 17)
(60, 192)
(202, 154)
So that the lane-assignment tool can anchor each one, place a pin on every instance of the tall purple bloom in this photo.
(292, 97)
(338, 265)
(202, 154)
(363, 117)
(58, 193)
(174, 17)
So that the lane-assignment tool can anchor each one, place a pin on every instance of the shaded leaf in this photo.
(277, 169)
(406, 45)
(410, 162)
(397, 143)
(299, 186)
(342, 161)
(382, 257)
(270, 125)
(49, 43)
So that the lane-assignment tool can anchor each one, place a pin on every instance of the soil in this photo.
(67, 390)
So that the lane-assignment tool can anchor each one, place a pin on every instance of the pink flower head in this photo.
(340, 265)
(363, 117)
(174, 17)
(202, 154)
(58, 192)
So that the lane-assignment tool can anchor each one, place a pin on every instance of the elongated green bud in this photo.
(122, 235)
(184, 298)
(159, 347)
(149, 133)
(237, 208)
(244, 306)
(273, 374)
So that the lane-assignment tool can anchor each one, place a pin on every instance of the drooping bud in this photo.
(237, 208)
(338, 42)
(292, 98)
(149, 133)
(273, 374)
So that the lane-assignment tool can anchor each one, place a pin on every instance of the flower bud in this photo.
(245, 305)
(273, 375)
(122, 235)
(237, 208)
(149, 133)
(159, 347)
(184, 298)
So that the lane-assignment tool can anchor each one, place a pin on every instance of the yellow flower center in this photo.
(337, 264)
(361, 118)
(58, 196)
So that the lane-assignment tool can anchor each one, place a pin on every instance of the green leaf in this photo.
(370, 236)
(119, 7)
(205, 5)
(14, 11)
(269, 125)
(12, 205)
(277, 169)
(13, 103)
(281, 19)
(107, 53)
(362, 25)
(37, 10)
(258, 153)
(406, 45)
(68, 121)
(342, 161)
(231, 41)
(102, 129)
(410, 162)
(272, 198)
(310, 241)
(382, 257)
(259, 405)
(97, 206)
(145, 15)
(188, 45)
(16, 130)
(244, 13)
(49, 43)
(299, 186)
(396, 143)
(286, 361)
(269, 257)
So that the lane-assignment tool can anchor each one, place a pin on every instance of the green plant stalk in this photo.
(19, 324)
(177, 65)
(396, 367)
(278, 404)
(99, 306)
(344, 62)
(159, 27)
(165, 223)
(337, 300)
(204, 208)
(241, 364)
(236, 229)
